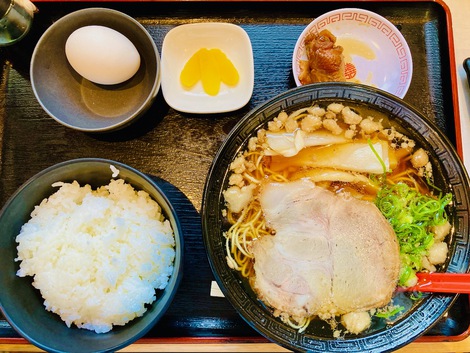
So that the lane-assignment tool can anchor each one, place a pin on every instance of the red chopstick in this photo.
(442, 282)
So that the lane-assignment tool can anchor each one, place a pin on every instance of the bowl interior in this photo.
(375, 51)
(22, 304)
(450, 176)
(81, 104)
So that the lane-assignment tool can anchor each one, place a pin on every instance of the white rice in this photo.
(97, 256)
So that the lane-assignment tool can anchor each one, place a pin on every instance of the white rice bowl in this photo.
(97, 256)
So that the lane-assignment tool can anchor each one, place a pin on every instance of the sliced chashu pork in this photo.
(331, 254)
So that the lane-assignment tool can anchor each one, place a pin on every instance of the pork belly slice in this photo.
(331, 254)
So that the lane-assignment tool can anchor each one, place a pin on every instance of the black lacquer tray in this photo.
(178, 148)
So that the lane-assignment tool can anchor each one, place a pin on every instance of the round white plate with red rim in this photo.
(375, 51)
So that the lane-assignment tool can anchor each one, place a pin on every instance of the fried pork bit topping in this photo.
(336, 118)
(420, 158)
(311, 123)
(369, 126)
(238, 198)
(332, 125)
(356, 322)
(398, 140)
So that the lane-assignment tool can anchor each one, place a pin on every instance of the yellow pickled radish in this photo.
(212, 67)
(191, 73)
(228, 72)
(209, 73)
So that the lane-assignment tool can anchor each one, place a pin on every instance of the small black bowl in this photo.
(22, 304)
(83, 105)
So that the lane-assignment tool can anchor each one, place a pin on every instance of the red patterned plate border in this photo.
(379, 24)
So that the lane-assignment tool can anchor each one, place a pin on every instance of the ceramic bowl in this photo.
(449, 174)
(182, 42)
(375, 52)
(22, 304)
(79, 103)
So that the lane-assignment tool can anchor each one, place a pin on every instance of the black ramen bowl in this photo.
(22, 304)
(449, 175)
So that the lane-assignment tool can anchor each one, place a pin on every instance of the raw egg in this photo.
(212, 67)
(102, 55)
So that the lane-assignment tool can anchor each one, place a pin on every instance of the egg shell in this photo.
(102, 55)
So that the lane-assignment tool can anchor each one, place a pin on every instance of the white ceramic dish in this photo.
(182, 42)
(375, 51)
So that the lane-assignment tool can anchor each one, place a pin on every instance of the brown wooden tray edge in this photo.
(459, 148)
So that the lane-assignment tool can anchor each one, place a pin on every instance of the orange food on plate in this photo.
(325, 59)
